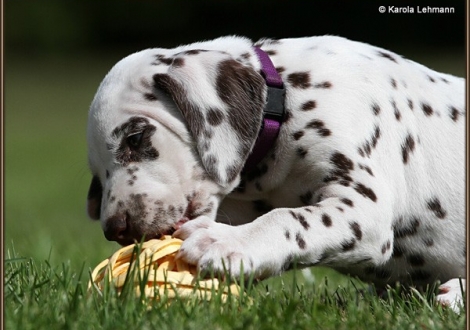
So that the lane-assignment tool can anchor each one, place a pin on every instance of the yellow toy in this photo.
(166, 276)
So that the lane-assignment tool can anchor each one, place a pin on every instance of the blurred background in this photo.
(57, 52)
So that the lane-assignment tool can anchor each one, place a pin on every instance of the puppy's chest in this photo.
(279, 182)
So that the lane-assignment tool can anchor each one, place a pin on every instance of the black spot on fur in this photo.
(454, 114)
(301, 219)
(393, 82)
(150, 97)
(435, 206)
(214, 117)
(428, 111)
(246, 56)
(287, 235)
(410, 104)
(342, 163)
(396, 111)
(387, 56)
(163, 59)
(299, 80)
(366, 168)
(132, 170)
(428, 241)
(326, 219)
(343, 166)
(194, 52)
(297, 135)
(370, 144)
(266, 42)
(348, 245)
(300, 241)
(178, 62)
(375, 109)
(407, 148)
(319, 126)
(376, 136)
(365, 191)
(356, 228)
(208, 133)
(445, 80)
(309, 105)
(330, 178)
(301, 152)
(324, 84)
(347, 201)
(385, 247)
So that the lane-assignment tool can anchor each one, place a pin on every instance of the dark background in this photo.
(70, 26)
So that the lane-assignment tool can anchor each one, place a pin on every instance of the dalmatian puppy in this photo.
(366, 174)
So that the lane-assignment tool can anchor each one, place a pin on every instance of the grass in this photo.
(51, 245)
(40, 296)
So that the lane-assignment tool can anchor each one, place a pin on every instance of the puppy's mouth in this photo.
(187, 216)
(175, 227)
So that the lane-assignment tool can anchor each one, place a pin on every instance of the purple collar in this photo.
(273, 111)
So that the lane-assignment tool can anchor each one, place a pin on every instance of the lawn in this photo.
(50, 244)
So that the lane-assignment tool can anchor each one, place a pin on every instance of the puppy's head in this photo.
(168, 134)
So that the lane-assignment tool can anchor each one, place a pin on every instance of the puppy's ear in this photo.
(222, 102)
(95, 193)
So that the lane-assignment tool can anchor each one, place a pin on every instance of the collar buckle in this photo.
(274, 108)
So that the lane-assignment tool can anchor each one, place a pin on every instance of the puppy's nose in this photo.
(117, 228)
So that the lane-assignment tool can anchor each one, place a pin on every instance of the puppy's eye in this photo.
(135, 140)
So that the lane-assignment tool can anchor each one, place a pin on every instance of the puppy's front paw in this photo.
(215, 247)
